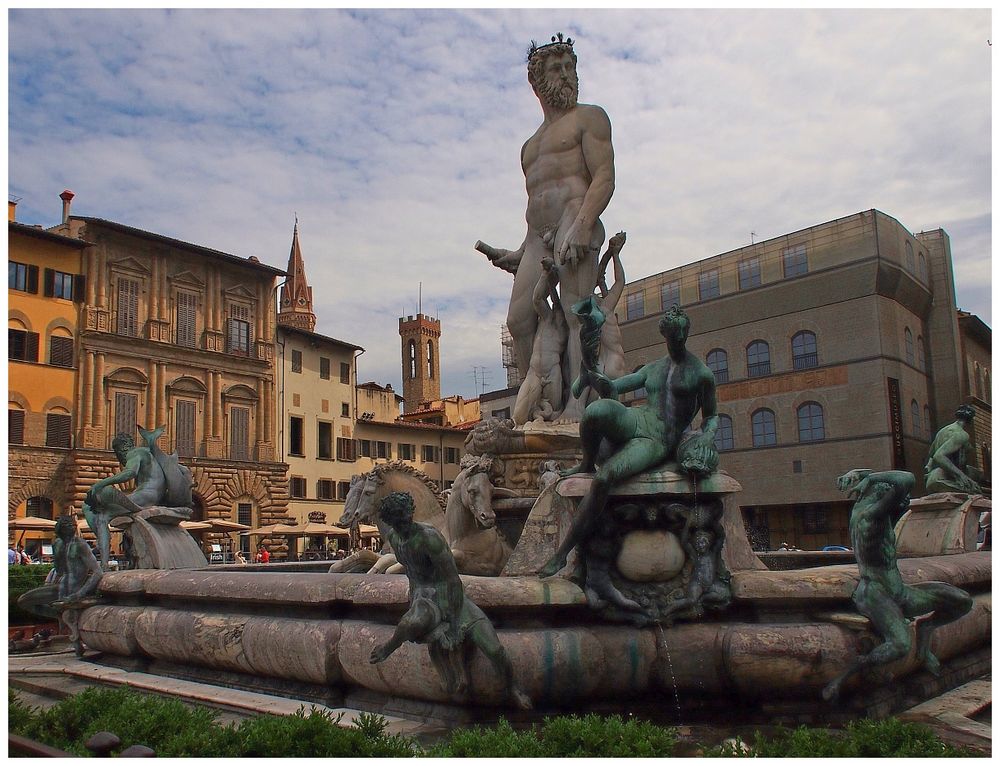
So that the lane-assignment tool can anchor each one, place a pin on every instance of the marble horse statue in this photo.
(361, 505)
(477, 545)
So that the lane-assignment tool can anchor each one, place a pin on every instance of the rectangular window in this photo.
(345, 372)
(345, 410)
(22, 345)
(297, 486)
(451, 455)
(345, 449)
(60, 351)
(750, 272)
(635, 305)
(325, 448)
(58, 284)
(503, 414)
(814, 521)
(239, 433)
(794, 261)
(430, 454)
(126, 413)
(383, 450)
(128, 307)
(185, 418)
(15, 426)
(343, 487)
(406, 451)
(325, 489)
(22, 277)
(244, 514)
(296, 361)
(57, 430)
(708, 284)
(324, 368)
(296, 441)
(364, 447)
(670, 295)
(238, 339)
(187, 320)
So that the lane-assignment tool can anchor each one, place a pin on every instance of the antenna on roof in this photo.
(420, 297)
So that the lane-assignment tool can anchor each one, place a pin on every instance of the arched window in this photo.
(804, 353)
(430, 359)
(927, 421)
(910, 266)
(765, 434)
(915, 417)
(38, 507)
(811, 426)
(718, 363)
(412, 355)
(758, 359)
(908, 345)
(923, 267)
(921, 359)
(724, 434)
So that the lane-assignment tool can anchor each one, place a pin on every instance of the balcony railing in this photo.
(805, 361)
(758, 370)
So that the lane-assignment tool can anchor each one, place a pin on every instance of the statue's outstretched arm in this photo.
(508, 260)
(615, 244)
(631, 382)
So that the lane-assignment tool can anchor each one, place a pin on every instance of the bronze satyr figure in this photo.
(440, 614)
(881, 595)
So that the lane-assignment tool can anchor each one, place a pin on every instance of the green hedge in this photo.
(174, 729)
(866, 738)
(21, 579)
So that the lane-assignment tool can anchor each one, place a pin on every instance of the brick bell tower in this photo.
(420, 337)
(296, 309)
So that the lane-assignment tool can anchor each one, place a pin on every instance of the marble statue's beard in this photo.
(559, 95)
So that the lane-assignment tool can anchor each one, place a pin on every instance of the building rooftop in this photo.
(49, 236)
(250, 262)
(316, 336)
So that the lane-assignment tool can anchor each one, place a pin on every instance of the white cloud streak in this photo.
(395, 137)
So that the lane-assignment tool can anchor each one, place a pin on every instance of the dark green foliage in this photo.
(21, 579)
(563, 737)
(316, 735)
(890, 738)
(173, 729)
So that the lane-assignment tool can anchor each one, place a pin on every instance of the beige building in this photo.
(330, 428)
(183, 336)
(835, 347)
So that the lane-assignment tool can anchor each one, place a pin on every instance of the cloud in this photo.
(395, 137)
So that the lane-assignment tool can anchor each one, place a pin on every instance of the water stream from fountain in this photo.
(670, 665)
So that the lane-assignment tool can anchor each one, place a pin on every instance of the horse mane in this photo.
(399, 465)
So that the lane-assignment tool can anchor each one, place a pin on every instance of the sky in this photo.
(395, 137)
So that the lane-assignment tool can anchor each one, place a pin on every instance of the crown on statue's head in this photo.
(557, 39)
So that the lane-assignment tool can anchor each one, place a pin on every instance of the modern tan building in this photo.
(835, 347)
(178, 335)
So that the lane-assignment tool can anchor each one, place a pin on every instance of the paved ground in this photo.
(959, 717)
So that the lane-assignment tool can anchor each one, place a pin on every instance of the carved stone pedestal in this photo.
(942, 523)
(661, 543)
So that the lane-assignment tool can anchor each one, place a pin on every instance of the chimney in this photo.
(11, 210)
(66, 197)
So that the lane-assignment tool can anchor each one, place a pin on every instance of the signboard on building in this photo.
(896, 425)
(783, 384)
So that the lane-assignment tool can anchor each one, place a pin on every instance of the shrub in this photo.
(563, 737)
(890, 738)
(21, 579)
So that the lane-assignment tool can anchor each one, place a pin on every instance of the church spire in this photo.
(296, 294)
